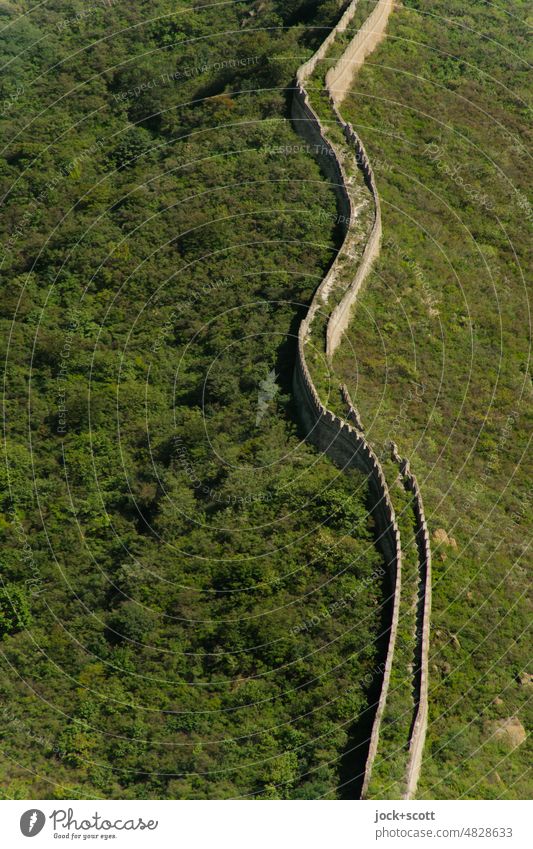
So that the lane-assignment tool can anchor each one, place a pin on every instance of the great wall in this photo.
(345, 443)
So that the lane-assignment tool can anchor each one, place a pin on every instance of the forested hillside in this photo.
(192, 603)
(190, 596)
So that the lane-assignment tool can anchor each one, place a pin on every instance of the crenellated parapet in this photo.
(340, 317)
(340, 76)
(418, 732)
(344, 442)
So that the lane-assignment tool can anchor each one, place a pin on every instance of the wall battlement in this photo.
(345, 444)
(418, 731)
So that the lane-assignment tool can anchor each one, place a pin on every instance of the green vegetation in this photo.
(442, 340)
(189, 597)
(202, 586)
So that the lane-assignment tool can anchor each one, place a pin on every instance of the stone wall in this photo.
(374, 737)
(340, 317)
(418, 732)
(339, 78)
(346, 445)
(310, 128)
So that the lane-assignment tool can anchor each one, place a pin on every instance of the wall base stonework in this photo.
(345, 444)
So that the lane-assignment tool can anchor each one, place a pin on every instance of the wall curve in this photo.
(339, 78)
(418, 731)
(345, 444)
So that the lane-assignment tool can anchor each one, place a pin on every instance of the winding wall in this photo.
(353, 413)
(339, 78)
(346, 445)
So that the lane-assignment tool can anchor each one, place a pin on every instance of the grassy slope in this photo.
(447, 307)
(200, 616)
